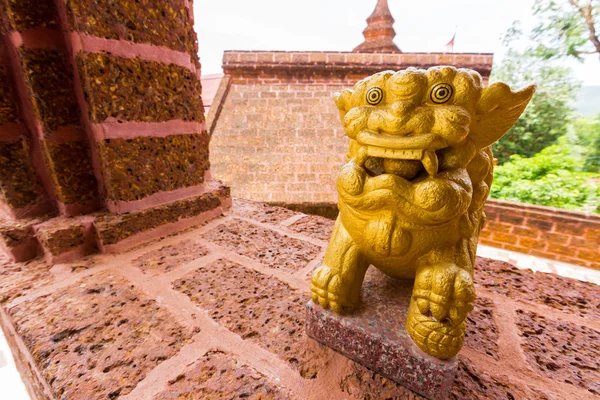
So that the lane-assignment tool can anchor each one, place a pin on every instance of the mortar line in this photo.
(191, 266)
(125, 257)
(158, 243)
(247, 262)
(524, 378)
(52, 287)
(292, 220)
(181, 306)
(302, 273)
(156, 380)
(285, 232)
(516, 364)
(544, 310)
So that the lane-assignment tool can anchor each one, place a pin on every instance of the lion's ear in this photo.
(498, 110)
(342, 101)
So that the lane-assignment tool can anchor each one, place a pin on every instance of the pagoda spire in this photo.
(379, 33)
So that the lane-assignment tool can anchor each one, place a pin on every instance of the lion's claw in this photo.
(442, 296)
(445, 291)
(327, 290)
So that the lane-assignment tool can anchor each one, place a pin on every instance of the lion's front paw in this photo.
(442, 297)
(351, 178)
(328, 290)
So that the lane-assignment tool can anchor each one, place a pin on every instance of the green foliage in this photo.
(566, 28)
(546, 118)
(586, 132)
(552, 177)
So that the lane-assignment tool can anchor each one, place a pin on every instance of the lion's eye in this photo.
(441, 93)
(374, 96)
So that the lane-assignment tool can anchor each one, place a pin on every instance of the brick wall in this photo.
(553, 233)
(283, 141)
(276, 132)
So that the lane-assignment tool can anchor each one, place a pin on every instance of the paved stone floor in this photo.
(217, 312)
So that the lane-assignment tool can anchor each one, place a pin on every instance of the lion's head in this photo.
(416, 122)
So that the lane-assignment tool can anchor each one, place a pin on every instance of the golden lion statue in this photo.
(411, 196)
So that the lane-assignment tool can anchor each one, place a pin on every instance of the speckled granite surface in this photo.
(218, 312)
(375, 336)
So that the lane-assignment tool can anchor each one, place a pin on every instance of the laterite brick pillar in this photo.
(43, 80)
(102, 112)
(21, 192)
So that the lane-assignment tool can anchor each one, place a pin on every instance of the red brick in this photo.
(588, 255)
(518, 249)
(318, 57)
(461, 59)
(532, 243)
(511, 218)
(264, 57)
(485, 234)
(491, 214)
(409, 59)
(539, 224)
(555, 238)
(528, 232)
(427, 59)
(593, 234)
(570, 229)
(498, 227)
(564, 250)
(336, 58)
(504, 238)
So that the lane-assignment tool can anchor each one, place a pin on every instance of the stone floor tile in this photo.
(564, 294)
(167, 258)
(473, 383)
(98, 338)
(257, 307)
(561, 350)
(261, 212)
(314, 226)
(19, 279)
(217, 375)
(482, 332)
(268, 247)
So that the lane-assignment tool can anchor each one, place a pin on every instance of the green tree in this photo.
(547, 116)
(586, 132)
(567, 28)
(553, 177)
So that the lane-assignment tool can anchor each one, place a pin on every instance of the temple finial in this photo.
(379, 33)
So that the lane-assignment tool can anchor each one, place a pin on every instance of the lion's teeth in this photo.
(395, 153)
(430, 162)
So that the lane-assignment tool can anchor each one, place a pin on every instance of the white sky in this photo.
(337, 25)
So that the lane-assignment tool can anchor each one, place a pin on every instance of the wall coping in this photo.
(524, 207)
(254, 62)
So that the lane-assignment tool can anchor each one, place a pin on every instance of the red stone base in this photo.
(375, 336)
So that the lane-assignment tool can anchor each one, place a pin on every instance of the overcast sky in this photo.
(424, 26)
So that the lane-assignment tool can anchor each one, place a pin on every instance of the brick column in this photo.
(138, 81)
(44, 83)
(110, 91)
(21, 193)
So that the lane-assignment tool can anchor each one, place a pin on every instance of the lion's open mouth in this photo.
(414, 149)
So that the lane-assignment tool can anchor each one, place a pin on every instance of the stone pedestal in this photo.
(375, 336)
